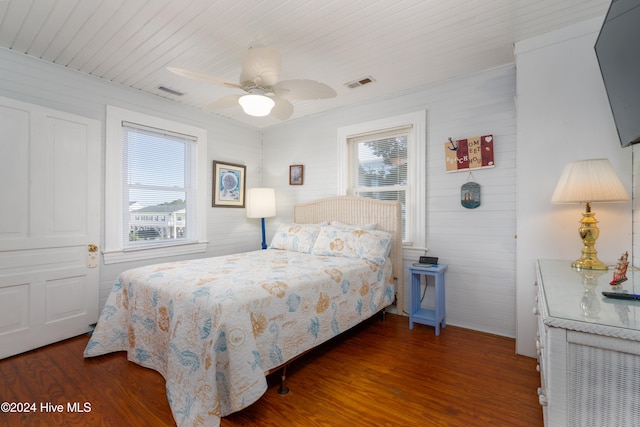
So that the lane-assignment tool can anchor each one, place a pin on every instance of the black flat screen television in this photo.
(618, 52)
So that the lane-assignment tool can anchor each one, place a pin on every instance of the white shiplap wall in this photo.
(38, 82)
(478, 244)
(635, 204)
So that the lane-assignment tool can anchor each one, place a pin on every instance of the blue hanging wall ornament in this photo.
(470, 193)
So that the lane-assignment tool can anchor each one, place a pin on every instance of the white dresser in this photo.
(588, 348)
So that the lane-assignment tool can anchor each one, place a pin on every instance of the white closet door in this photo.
(49, 218)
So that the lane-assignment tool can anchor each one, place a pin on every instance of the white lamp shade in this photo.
(261, 202)
(592, 180)
(256, 105)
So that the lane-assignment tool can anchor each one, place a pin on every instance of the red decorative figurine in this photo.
(620, 273)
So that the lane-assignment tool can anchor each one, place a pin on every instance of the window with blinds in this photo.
(158, 185)
(378, 166)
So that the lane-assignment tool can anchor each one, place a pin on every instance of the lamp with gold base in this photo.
(589, 181)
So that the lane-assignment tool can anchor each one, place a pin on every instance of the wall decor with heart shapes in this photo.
(470, 153)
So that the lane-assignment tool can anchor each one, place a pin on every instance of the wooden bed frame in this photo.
(386, 215)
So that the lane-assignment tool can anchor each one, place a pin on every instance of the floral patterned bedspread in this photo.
(213, 327)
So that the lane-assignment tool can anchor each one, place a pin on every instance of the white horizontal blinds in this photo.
(158, 184)
(379, 167)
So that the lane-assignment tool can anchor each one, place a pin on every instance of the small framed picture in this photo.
(228, 185)
(296, 174)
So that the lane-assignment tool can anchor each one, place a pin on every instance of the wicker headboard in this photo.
(359, 210)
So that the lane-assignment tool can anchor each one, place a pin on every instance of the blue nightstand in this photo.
(435, 317)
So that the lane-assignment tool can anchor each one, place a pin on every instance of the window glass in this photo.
(378, 162)
(157, 191)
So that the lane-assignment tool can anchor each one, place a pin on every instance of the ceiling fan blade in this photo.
(203, 77)
(225, 102)
(282, 109)
(261, 66)
(303, 89)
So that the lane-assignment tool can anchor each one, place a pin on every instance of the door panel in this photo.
(50, 214)
(13, 298)
(14, 175)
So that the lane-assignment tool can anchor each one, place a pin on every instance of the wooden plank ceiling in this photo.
(402, 44)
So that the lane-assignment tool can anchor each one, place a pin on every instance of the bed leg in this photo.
(283, 386)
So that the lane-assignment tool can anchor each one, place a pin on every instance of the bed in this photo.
(215, 327)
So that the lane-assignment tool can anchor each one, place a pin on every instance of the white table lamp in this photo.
(261, 203)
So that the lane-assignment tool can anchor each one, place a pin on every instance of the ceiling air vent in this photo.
(360, 82)
(171, 91)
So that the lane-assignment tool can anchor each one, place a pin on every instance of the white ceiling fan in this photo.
(263, 93)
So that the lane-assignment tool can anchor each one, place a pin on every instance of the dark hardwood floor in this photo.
(378, 374)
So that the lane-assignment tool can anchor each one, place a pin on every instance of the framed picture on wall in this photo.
(296, 174)
(229, 184)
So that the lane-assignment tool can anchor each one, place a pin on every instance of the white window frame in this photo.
(115, 251)
(416, 171)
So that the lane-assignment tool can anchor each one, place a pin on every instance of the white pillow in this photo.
(372, 245)
(295, 237)
(353, 227)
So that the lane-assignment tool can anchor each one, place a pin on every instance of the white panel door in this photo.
(49, 220)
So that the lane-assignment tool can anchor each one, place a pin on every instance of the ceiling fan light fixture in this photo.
(256, 105)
